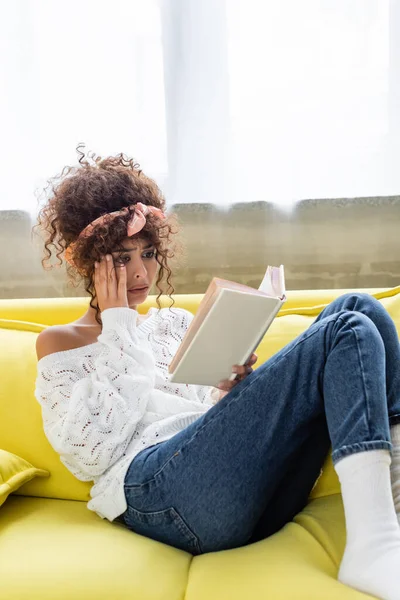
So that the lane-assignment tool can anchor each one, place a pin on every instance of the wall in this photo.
(343, 243)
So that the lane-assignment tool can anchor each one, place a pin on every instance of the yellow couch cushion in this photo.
(58, 550)
(21, 430)
(14, 472)
(291, 565)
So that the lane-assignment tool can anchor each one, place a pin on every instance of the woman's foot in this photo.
(395, 467)
(371, 561)
(373, 569)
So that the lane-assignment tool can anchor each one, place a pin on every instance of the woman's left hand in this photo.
(241, 371)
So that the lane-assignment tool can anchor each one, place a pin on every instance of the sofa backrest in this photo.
(21, 429)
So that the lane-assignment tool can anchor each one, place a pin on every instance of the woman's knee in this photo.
(359, 323)
(366, 304)
(359, 299)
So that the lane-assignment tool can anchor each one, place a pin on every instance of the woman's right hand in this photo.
(110, 283)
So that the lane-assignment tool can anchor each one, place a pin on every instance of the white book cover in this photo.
(231, 331)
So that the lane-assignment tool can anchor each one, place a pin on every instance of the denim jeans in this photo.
(246, 467)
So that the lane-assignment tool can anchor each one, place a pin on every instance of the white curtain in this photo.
(309, 85)
(221, 101)
(73, 72)
(282, 100)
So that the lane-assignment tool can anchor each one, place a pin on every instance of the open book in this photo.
(230, 323)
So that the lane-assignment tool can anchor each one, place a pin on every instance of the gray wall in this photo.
(344, 243)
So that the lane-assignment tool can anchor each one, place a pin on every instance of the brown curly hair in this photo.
(83, 193)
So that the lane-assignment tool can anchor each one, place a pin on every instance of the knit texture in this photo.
(105, 402)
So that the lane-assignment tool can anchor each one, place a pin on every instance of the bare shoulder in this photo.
(57, 338)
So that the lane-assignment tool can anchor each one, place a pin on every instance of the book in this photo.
(229, 324)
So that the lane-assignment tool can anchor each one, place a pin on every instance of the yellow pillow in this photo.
(14, 472)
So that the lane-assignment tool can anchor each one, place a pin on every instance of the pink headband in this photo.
(135, 224)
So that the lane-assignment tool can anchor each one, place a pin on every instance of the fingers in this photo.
(121, 285)
(226, 385)
(252, 360)
(110, 283)
(242, 370)
(100, 279)
(121, 278)
(110, 274)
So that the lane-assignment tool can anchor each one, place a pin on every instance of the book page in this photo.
(273, 283)
(240, 287)
(205, 306)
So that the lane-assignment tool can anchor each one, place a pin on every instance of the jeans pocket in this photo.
(165, 526)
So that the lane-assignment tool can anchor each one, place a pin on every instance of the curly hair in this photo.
(83, 193)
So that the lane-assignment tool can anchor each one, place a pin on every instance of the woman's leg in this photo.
(206, 488)
(374, 310)
(293, 493)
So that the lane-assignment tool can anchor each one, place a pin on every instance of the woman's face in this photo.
(139, 258)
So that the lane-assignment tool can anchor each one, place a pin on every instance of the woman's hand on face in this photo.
(242, 371)
(110, 283)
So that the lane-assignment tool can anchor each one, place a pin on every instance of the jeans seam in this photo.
(362, 373)
(186, 530)
(350, 449)
(145, 518)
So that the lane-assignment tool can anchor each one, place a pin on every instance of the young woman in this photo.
(200, 468)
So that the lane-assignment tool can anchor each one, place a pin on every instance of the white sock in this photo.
(371, 560)
(395, 467)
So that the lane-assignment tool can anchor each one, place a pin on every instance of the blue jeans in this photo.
(246, 467)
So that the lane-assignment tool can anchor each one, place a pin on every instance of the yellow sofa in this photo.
(53, 548)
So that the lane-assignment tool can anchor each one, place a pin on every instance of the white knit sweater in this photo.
(105, 402)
